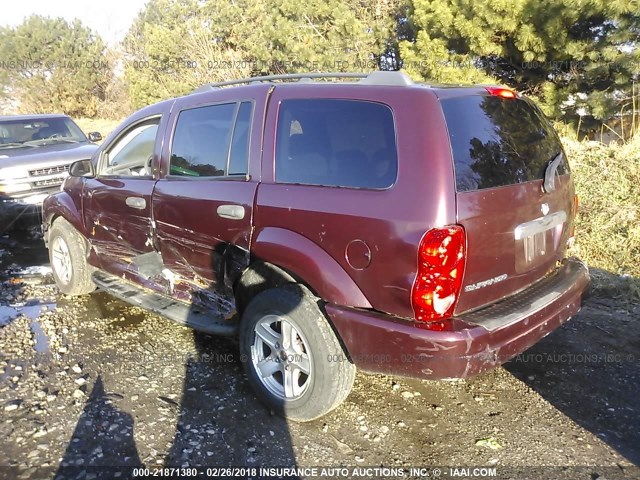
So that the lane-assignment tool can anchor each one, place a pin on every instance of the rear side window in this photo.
(341, 143)
(212, 141)
(498, 141)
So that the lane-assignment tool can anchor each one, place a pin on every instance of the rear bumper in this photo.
(383, 344)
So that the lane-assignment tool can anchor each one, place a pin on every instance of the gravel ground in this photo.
(95, 382)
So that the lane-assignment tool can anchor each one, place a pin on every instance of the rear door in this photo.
(517, 230)
(203, 204)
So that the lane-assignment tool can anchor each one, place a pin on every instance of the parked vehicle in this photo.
(376, 224)
(35, 154)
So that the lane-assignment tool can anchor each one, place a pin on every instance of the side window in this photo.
(342, 143)
(201, 141)
(132, 153)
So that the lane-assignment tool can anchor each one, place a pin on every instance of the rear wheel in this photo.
(292, 357)
(68, 259)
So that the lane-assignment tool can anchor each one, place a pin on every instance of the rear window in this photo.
(499, 142)
(341, 143)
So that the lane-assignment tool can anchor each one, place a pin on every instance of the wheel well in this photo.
(47, 227)
(260, 276)
(59, 217)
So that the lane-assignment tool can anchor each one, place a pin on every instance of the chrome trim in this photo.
(540, 225)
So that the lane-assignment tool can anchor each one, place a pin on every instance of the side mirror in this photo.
(94, 136)
(82, 168)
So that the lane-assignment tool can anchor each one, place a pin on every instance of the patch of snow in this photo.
(35, 270)
(32, 312)
(7, 314)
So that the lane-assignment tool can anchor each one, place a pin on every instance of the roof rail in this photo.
(373, 78)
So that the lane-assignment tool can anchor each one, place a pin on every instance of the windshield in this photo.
(40, 131)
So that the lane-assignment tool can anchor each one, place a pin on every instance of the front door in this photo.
(117, 202)
(202, 204)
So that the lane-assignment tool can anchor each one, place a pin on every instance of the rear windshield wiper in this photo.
(549, 184)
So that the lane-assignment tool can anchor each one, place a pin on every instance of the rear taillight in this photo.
(441, 260)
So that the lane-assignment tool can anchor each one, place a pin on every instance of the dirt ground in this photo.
(94, 382)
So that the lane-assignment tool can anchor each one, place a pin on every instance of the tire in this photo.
(312, 346)
(67, 255)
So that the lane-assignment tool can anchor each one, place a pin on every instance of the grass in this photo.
(607, 179)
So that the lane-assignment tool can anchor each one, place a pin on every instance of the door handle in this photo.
(136, 202)
(232, 212)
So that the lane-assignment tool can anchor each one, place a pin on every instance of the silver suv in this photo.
(35, 154)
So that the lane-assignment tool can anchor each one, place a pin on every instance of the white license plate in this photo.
(534, 246)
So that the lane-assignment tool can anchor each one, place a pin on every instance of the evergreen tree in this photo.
(50, 65)
(177, 45)
(579, 57)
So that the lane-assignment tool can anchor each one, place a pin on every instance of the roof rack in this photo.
(373, 78)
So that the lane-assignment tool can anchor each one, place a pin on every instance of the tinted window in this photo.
(239, 156)
(498, 142)
(344, 143)
(201, 141)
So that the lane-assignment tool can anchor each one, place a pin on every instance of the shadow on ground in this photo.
(22, 249)
(109, 430)
(239, 431)
(589, 369)
(217, 421)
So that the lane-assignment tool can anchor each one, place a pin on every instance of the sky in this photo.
(111, 19)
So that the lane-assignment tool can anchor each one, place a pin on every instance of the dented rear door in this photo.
(203, 202)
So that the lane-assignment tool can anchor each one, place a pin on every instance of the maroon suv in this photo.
(395, 227)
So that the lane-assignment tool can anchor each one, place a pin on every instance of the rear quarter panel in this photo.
(390, 222)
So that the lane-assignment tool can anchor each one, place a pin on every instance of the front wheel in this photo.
(68, 260)
(291, 355)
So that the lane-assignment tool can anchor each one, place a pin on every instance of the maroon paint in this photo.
(67, 205)
(391, 222)
(490, 217)
(308, 261)
(381, 344)
(190, 235)
(117, 231)
(307, 229)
